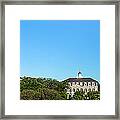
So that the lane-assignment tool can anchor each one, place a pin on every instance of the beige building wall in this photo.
(79, 86)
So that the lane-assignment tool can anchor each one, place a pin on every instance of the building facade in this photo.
(82, 84)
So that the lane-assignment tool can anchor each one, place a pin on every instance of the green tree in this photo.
(93, 95)
(51, 89)
(27, 95)
(79, 95)
(42, 89)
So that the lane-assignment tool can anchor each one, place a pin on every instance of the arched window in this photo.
(70, 90)
(77, 89)
(85, 83)
(96, 84)
(89, 90)
(73, 90)
(93, 84)
(81, 83)
(85, 90)
(93, 89)
(89, 84)
(69, 96)
(81, 89)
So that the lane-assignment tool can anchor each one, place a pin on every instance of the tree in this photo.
(27, 95)
(93, 95)
(51, 89)
(78, 95)
(42, 89)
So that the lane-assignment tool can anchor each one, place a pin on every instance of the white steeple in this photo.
(80, 75)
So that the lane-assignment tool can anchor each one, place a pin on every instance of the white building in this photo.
(82, 84)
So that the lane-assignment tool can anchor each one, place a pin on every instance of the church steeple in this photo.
(79, 74)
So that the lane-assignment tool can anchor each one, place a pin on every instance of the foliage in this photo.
(51, 89)
(42, 89)
(78, 95)
(92, 95)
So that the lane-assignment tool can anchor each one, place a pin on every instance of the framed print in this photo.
(60, 59)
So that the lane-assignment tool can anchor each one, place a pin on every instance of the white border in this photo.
(104, 13)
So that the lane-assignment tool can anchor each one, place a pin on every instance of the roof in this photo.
(81, 80)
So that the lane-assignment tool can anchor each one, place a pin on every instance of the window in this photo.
(81, 90)
(89, 89)
(89, 83)
(70, 90)
(93, 83)
(81, 83)
(93, 89)
(71, 83)
(77, 89)
(73, 90)
(85, 90)
(85, 83)
(69, 96)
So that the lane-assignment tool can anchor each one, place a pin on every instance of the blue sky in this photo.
(60, 48)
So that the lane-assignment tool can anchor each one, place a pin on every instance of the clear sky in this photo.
(60, 48)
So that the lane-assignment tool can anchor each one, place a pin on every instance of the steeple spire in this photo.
(79, 74)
